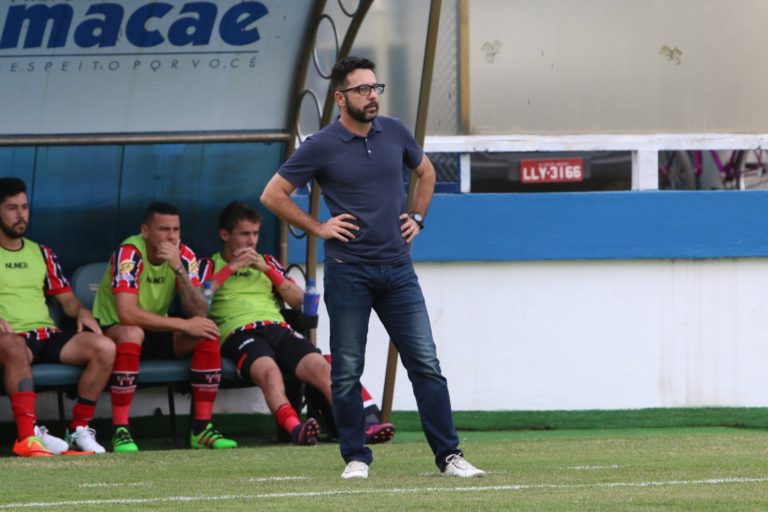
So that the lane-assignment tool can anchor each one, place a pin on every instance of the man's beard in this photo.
(360, 115)
(10, 232)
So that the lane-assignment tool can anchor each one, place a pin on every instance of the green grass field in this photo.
(549, 468)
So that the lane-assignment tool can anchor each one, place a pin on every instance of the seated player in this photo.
(256, 337)
(28, 335)
(132, 302)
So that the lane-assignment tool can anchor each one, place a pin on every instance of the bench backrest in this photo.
(85, 282)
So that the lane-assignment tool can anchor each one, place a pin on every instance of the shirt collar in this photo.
(347, 136)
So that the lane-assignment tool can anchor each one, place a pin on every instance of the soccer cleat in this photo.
(52, 443)
(122, 442)
(211, 438)
(83, 439)
(378, 433)
(456, 465)
(355, 469)
(306, 433)
(31, 447)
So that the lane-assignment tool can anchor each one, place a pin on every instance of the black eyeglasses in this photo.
(365, 89)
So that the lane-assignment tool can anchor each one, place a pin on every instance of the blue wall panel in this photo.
(239, 172)
(18, 162)
(86, 199)
(200, 180)
(74, 201)
(610, 225)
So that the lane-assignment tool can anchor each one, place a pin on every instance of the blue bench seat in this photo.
(171, 374)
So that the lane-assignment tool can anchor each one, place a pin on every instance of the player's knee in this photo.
(127, 334)
(313, 366)
(105, 351)
(13, 349)
(266, 374)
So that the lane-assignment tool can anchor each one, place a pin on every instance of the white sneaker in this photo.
(52, 443)
(355, 469)
(457, 466)
(84, 439)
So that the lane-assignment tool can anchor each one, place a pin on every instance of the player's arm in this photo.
(57, 285)
(193, 301)
(73, 308)
(246, 257)
(291, 293)
(277, 197)
(130, 313)
(283, 285)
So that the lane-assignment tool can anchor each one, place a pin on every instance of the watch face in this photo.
(418, 218)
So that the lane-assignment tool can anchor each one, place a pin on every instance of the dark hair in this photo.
(347, 65)
(161, 208)
(10, 186)
(236, 211)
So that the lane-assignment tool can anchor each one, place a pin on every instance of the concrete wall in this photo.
(592, 334)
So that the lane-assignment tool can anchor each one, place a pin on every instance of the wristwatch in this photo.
(418, 218)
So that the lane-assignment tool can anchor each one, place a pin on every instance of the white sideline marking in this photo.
(276, 478)
(105, 484)
(414, 490)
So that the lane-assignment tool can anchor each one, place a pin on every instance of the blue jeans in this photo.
(393, 291)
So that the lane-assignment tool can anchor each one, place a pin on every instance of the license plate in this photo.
(552, 170)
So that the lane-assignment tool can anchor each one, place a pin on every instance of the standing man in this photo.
(29, 273)
(256, 337)
(132, 302)
(358, 161)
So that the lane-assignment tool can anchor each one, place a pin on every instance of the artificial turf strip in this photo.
(738, 417)
(260, 428)
(704, 469)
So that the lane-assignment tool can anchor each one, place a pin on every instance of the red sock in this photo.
(123, 382)
(82, 413)
(23, 407)
(287, 417)
(206, 375)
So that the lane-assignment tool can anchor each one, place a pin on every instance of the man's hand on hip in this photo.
(339, 227)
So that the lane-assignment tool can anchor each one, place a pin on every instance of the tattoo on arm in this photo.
(192, 300)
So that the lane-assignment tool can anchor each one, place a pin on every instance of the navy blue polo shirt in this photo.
(362, 176)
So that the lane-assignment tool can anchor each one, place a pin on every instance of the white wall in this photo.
(592, 334)
(616, 66)
(570, 335)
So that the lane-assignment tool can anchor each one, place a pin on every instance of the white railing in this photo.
(645, 148)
